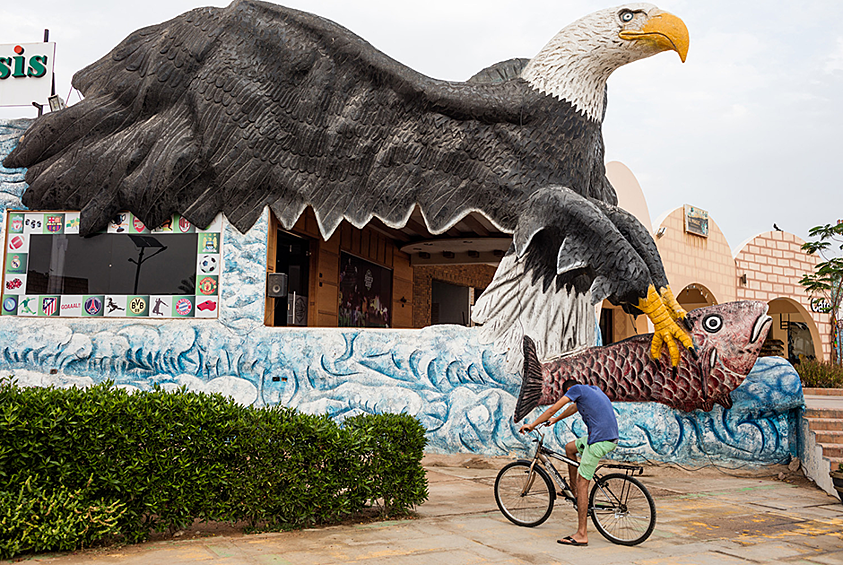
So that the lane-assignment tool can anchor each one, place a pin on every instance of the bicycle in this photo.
(620, 506)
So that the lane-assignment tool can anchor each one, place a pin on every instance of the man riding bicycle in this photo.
(599, 417)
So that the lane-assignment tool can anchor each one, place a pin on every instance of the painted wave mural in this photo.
(458, 388)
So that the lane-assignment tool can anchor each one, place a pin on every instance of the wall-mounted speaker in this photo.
(276, 285)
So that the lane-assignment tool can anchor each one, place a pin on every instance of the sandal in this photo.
(568, 540)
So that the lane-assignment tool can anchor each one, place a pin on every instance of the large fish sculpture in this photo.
(727, 339)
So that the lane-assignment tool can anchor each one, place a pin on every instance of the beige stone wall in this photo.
(773, 263)
(690, 259)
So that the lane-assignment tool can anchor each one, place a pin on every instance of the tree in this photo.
(825, 284)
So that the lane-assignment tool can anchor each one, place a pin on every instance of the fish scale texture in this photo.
(626, 371)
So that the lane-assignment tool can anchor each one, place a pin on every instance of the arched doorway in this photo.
(793, 334)
(695, 296)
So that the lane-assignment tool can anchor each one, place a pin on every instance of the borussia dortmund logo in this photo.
(137, 305)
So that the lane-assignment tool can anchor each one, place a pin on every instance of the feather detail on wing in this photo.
(512, 307)
(567, 256)
(235, 109)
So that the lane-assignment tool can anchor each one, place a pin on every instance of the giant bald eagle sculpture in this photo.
(234, 109)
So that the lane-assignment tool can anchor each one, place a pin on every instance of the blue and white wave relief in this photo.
(442, 375)
(456, 386)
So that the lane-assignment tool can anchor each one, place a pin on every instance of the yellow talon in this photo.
(666, 332)
(676, 311)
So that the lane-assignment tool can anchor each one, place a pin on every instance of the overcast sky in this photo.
(748, 128)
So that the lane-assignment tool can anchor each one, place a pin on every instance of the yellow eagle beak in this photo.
(664, 31)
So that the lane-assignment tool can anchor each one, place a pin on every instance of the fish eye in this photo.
(712, 324)
(626, 16)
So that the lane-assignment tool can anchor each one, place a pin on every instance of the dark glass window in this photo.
(157, 264)
(292, 256)
(365, 293)
(607, 332)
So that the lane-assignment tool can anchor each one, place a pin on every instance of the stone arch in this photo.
(696, 295)
(769, 267)
(795, 312)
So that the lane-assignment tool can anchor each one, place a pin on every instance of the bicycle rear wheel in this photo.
(525, 497)
(622, 509)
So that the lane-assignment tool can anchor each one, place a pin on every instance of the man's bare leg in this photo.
(582, 510)
(579, 486)
(571, 452)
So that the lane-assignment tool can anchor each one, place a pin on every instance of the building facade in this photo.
(369, 321)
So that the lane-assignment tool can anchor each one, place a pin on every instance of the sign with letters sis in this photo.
(26, 73)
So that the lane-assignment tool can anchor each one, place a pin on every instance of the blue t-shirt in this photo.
(596, 411)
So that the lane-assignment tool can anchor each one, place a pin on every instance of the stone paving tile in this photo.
(691, 548)
(707, 558)
(829, 558)
(795, 561)
(769, 551)
(829, 541)
(821, 511)
(457, 557)
(273, 559)
(460, 473)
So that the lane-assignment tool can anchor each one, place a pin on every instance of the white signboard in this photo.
(26, 73)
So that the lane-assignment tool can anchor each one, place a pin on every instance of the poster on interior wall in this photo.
(696, 221)
(126, 271)
(365, 293)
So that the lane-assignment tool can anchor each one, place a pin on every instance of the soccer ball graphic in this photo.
(208, 264)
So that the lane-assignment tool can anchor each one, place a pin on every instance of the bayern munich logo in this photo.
(183, 307)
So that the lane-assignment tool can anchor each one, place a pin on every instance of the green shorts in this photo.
(591, 455)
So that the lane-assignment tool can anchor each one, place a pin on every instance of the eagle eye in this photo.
(712, 323)
(626, 16)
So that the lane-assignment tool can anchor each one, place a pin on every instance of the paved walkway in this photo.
(820, 401)
(704, 517)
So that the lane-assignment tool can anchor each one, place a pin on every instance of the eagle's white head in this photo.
(577, 62)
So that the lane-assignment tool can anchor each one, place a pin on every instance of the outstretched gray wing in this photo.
(230, 110)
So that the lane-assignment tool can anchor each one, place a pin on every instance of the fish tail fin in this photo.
(531, 384)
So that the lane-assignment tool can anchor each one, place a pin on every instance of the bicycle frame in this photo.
(544, 455)
(621, 508)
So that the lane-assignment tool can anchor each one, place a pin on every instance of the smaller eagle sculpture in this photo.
(234, 109)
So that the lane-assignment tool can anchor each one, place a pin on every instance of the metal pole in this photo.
(137, 271)
(53, 89)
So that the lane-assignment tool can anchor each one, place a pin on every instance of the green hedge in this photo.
(820, 374)
(158, 460)
(38, 519)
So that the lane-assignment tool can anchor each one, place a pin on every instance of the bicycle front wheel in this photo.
(525, 497)
(622, 509)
